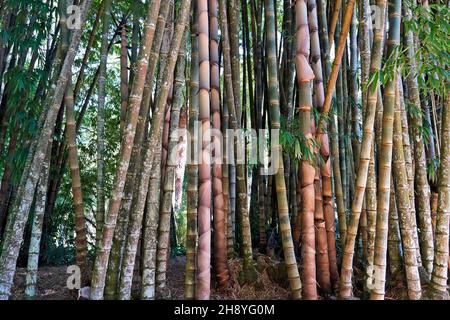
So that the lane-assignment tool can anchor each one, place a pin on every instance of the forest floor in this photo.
(271, 283)
(52, 282)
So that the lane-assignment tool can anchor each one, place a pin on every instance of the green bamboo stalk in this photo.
(36, 230)
(203, 285)
(192, 188)
(386, 157)
(439, 275)
(394, 242)
(169, 177)
(345, 286)
(220, 237)
(404, 204)
(100, 214)
(274, 103)
(420, 166)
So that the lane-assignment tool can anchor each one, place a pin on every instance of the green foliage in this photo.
(432, 170)
(296, 144)
(431, 27)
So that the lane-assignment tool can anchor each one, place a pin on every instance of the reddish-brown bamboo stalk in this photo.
(204, 208)
(80, 222)
(305, 75)
(220, 238)
(325, 169)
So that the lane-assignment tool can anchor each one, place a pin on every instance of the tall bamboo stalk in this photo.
(385, 159)
(404, 204)
(80, 221)
(394, 242)
(234, 28)
(439, 276)
(420, 166)
(345, 286)
(333, 137)
(204, 208)
(407, 150)
(353, 92)
(347, 19)
(103, 251)
(274, 105)
(237, 170)
(169, 177)
(305, 75)
(123, 76)
(370, 194)
(100, 214)
(130, 187)
(149, 183)
(228, 103)
(334, 20)
(151, 222)
(324, 214)
(36, 230)
(220, 238)
(192, 174)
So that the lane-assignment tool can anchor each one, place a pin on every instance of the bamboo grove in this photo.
(312, 132)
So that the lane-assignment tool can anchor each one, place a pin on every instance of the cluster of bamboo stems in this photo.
(360, 160)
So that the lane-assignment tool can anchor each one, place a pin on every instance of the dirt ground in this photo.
(269, 286)
(271, 283)
(51, 284)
